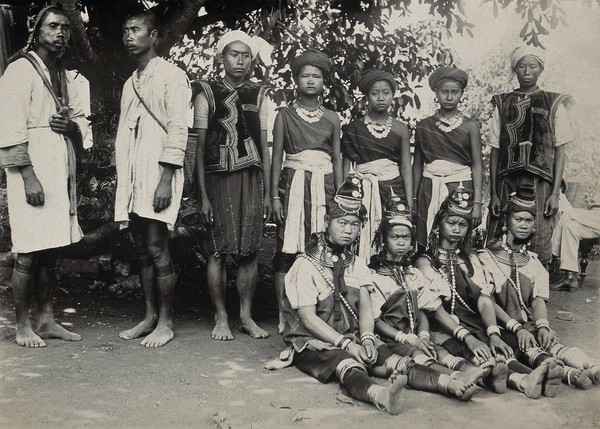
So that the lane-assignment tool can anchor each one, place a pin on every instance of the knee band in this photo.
(453, 362)
(399, 363)
(558, 350)
(535, 355)
(347, 365)
(24, 265)
(165, 271)
(423, 359)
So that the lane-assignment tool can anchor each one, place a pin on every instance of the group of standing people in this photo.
(353, 213)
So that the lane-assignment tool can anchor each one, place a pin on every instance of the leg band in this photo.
(24, 265)
(165, 271)
(443, 383)
(423, 359)
(347, 365)
(535, 356)
(357, 383)
(453, 362)
(398, 363)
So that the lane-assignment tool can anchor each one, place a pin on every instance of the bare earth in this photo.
(106, 382)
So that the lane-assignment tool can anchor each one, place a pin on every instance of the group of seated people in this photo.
(443, 321)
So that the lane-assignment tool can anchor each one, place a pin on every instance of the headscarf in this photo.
(448, 73)
(522, 51)
(375, 75)
(521, 201)
(259, 47)
(34, 29)
(314, 58)
(348, 200)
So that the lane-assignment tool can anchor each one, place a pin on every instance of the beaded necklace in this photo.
(516, 284)
(377, 130)
(451, 257)
(346, 304)
(310, 116)
(448, 124)
(400, 276)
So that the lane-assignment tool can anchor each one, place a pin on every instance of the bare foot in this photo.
(553, 378)
(471, 374)
(27, 338)
(461, 390)
(221, 330)
(159, 337)
(281, 325)
(496, 380)
(579, 378)
(389, 397)
(531, 384)
(594, 373)
(54, 330)
(143, 328)
(251, 328)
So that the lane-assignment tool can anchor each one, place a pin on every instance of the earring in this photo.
(504, 233)
(435, 100)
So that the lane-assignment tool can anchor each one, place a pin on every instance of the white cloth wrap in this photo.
(371, 173)
(441, 172)
(319, 164)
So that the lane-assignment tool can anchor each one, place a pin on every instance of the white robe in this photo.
(142, 144)
(25, 112)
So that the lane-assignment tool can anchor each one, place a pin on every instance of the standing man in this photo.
(233, 172)
(150, 148)
(41, 116)
(530, 128)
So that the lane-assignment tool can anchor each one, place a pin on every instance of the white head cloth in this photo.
(523, 51)
(258, 46)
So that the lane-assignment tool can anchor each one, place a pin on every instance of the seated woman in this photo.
(447, 152)
(401, 300)
(378, 147)
(465, 321)
(329, 324)
(520, 291)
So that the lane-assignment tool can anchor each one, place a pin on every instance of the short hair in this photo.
(149, 17)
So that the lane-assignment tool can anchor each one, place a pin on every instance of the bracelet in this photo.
(275, 198)
(476, 201)
(513, 326)
(460, 333)
(542, 323)
(346, 344)
(425, 335)
(411, 336)
(338, 341)
(491, 330)
(367, 337)
(400, 337)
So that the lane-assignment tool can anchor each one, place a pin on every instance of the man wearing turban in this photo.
(233, 175)
(530, 128)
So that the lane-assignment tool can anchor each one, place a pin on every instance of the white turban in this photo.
(258, 46)
(522, 51)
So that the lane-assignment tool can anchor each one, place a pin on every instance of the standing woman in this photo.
(447, 152)
(309, 135)
(379, 147)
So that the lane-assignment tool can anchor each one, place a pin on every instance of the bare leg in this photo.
(217, 279)
(388, 398)
(164, 328)
(149, 322)
(47, 327)
(246, 285)
(278, 280)
(22, 287)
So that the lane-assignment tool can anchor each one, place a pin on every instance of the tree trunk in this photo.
(13, 32)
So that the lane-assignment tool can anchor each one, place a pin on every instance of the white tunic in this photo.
(142, 145)
(25, 113)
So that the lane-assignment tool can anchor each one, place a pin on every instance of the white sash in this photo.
(319, 164)
(441, 172)
(371, 173)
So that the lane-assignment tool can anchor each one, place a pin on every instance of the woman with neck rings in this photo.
(447, 152)
(308, 134)
(377, 148)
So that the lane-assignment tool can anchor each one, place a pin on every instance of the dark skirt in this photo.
(237, 201)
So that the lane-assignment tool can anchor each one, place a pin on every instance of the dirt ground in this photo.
(106, 382)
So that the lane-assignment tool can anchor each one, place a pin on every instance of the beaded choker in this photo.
(508, 256)
(310, 116)
(378, 130)
(323, 253)
(448, 124)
